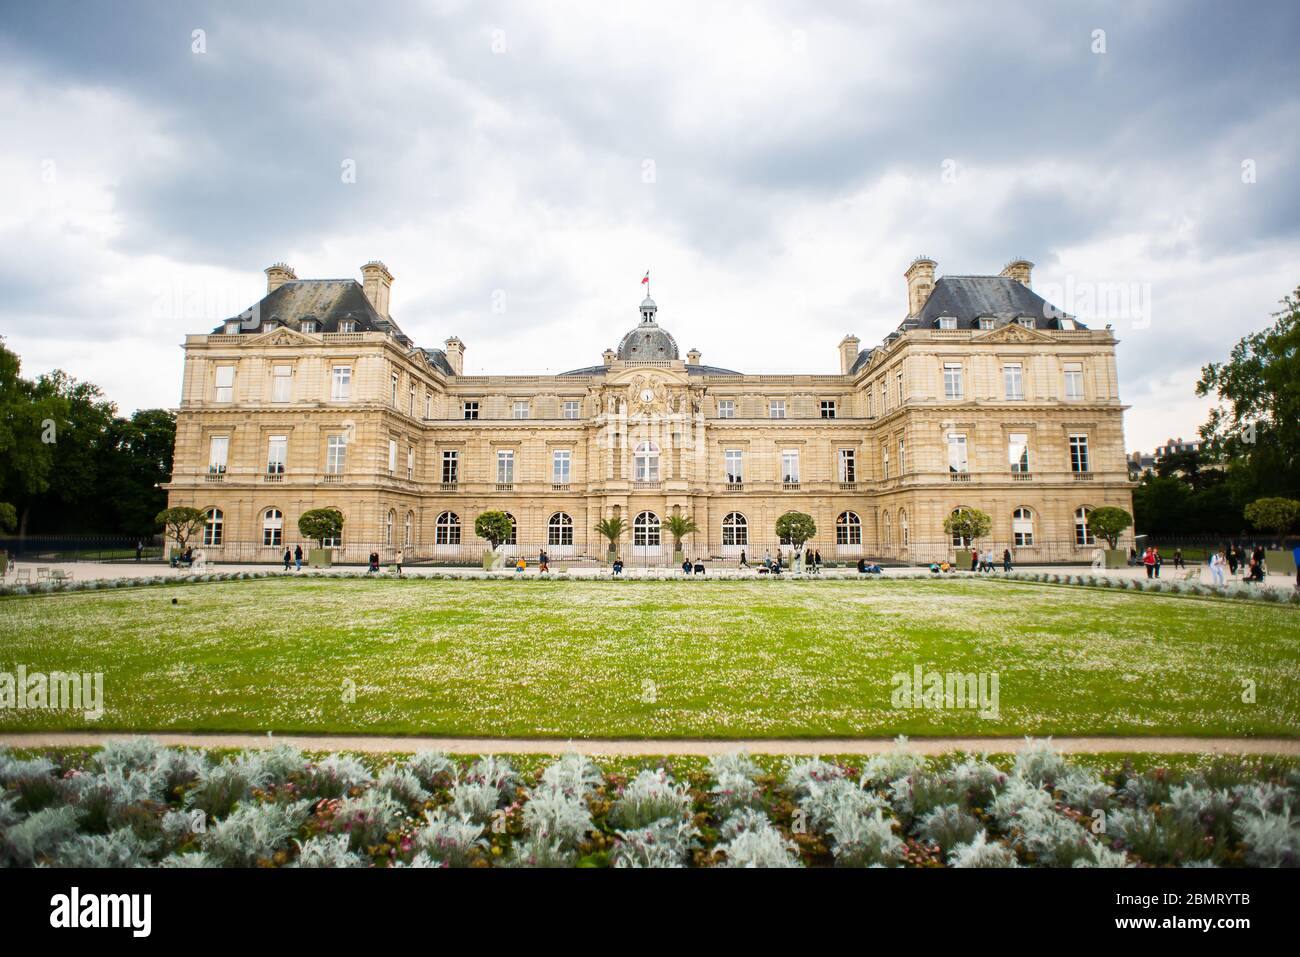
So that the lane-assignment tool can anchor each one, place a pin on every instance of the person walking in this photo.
(297, 557)
(743, 562)
(1217, 561)
(543, 563)
(1233, 560)
(139, 550)
(374, 563)
(1295, 557)
(401, 560)
(817, 560)
(1006, 559)
(778, 560)
(1159, 561)
(1149, 562)
(1132, 556)
(1178, 558)
(288, 557)
(767, 560)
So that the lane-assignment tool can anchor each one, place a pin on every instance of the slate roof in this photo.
(691, 369)
(971, 298)
(325, 301)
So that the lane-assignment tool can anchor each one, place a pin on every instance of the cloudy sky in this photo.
(519, 167)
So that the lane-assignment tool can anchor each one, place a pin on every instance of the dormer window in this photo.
(307, 325)
(986, 323)
(1026, 321)
(347, 325)
(232, 327)
(268, 326)
(947, 322)
(1068, 324)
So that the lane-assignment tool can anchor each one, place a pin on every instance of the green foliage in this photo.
(970, 523)
(1253, 427)
(8, 517)
(180, 523)
(1273, 514)
(494, 527)
(797, 527)
(679, 526)
(319, 524)
(1109, 522)
(612, 529)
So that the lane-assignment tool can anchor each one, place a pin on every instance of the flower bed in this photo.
(135, 803)
(1236, 591)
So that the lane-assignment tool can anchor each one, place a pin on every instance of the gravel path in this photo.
(624, 746)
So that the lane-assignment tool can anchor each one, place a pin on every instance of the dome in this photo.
(647, 342)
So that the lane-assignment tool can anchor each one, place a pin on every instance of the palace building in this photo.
(985, 396)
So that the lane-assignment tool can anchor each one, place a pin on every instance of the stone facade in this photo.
(314, 397)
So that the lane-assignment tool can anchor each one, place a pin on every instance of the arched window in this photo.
(408, 529)
(514, 531)
(272, 527)
(446, 530)
(645, 462)
(559, 530)
(389, 520)
(886, 528)
(735, 529)
(213, 520)
(902, 528)
(645, 530)
(1022, 527)
(1082, 533)
(958, 541)
(848, 529)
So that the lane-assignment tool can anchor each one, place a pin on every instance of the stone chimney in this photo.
(455, 355)
(277, 275)
(848, 353)
(1019, 270)
(609, 356)
(693, 357)
(378, 282)
(920, 283)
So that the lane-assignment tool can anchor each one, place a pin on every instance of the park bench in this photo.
(42, 573)
(58, 575)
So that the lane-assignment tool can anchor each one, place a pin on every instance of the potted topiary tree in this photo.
(679, 526)
(797, 528)
(318, 524)
(611, 529)
(495, 528)
(971, 525)
(180, 524)
(1109, 522)
(1275, 515)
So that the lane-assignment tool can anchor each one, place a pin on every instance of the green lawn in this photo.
(576, 659)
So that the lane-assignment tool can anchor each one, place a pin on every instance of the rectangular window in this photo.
(450, 467)
(505, 467)
(347, 325)
(884, 461)
(341, 389)
(277, 448)
(1013, 382)
(947, 322)
(428, 405)
(986, 323)
(218, 454)
(1074, 380)
(776, 409)
(735, 460)
(520, 410)
(392, 456)
(790, 466)
(307, 325)
(1018, 451)
(884, 399)
(282, 383)
(410, 465)
(560, 460)
(1026, 321)
(1078, 453)
(394, 381)
(410, 400)
(225, 384)
(952, 384)
(726, 408)
(957, 461)
(471, 410)
(871, 404)
(902, 456)
(900, 388)
(828, 408)
(571, 409)
(335, 454)
(848, 465)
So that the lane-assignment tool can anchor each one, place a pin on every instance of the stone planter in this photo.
(1116, 557)
(320, 557)
(1278, 561)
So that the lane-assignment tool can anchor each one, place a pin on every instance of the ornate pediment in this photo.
(1011, 332)
(647, 394)
(281, 336)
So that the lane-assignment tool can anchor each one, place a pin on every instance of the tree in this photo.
(969, 523)
(1162, 506)
(612, 529)
(495, 527)
(1109, 522)
(1274, 515)
(180, 523)
(679, 526)
(319, 524)
(23, 424)
(796, 528)
(1254, 426)
(138, 461)
(8, 517)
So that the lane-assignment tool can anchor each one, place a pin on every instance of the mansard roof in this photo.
(327, 302)
(690, 369)
(971, 298)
